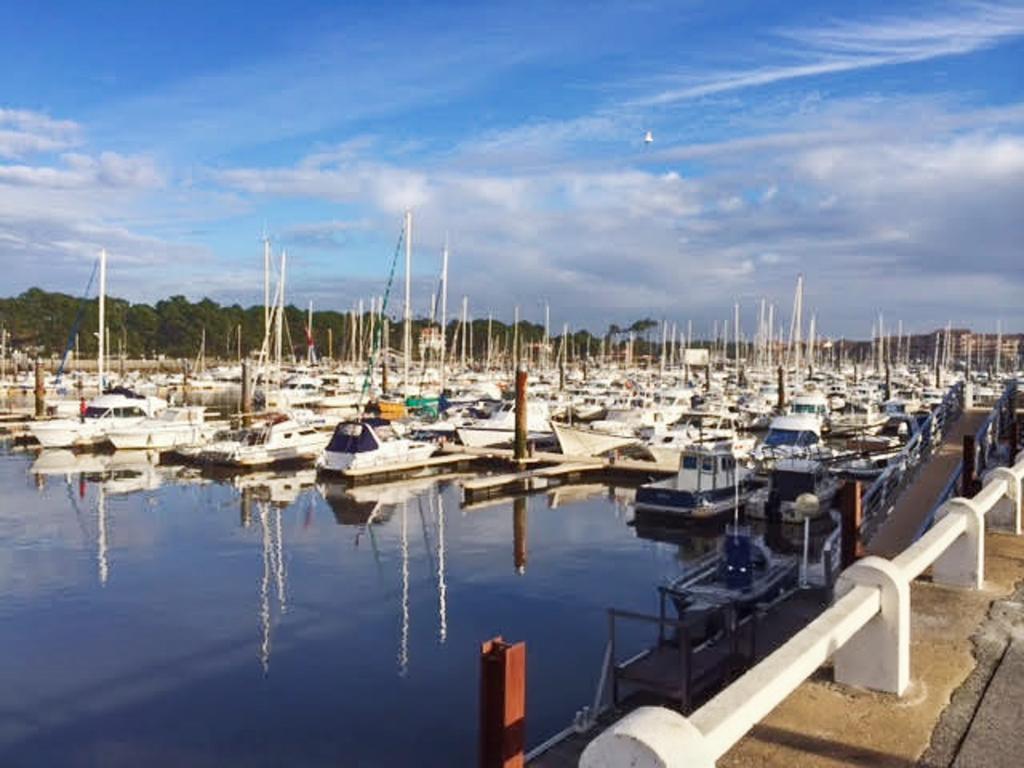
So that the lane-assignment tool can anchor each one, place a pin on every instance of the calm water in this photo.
(151, 616)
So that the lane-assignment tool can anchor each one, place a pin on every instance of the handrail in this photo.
(881, 495)
(866, 631)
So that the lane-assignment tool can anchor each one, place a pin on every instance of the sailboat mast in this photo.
(444, 314)
(280, 315)
(101, 352)
(266, 285)
(407, 318)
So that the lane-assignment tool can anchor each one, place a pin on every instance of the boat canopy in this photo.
(358, 436)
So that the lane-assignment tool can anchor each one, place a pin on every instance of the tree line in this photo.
(45, 323)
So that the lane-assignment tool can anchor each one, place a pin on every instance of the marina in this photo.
(512, 385)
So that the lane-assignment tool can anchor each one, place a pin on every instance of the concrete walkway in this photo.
(824, 724)
(917, 501)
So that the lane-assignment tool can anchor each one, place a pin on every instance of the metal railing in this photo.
(866, 631)
(880, 497)
(986, 439)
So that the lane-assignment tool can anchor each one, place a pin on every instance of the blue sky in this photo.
(876, 147)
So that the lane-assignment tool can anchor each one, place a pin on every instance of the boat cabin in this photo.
(798, 431)
(793, 477)
(707, 468)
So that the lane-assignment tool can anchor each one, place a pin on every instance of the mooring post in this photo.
(384, 373)
(520, 444)
(888, 382)
(246, 394)
(40, 391)
(851, 518)
(184, 381)
(782, 389)
(968, 479)
(502, 704)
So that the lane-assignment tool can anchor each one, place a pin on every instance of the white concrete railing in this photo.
(866, 631)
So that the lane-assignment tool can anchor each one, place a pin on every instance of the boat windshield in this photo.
(351, 438)
(777, 437)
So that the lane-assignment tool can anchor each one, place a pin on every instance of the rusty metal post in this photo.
(519, 533)
(40, 390)
(967, 476)
(520, 440)
(502, 704)
(851, 518)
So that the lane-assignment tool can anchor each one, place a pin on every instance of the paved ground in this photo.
(984, 723)
(823, 724)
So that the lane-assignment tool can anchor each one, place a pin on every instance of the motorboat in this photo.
(745, 574)
(587, 441)
(797, 489)
(370, 443)
(792, 436)
(175, 427)
(113, 410)
(710, 483)
(280, 439)
(667, 445)
(500, 427)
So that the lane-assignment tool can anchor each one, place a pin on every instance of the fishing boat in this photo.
(117, 409)
(798, 489)
(370, 443)
(171, 428)
(710, 483)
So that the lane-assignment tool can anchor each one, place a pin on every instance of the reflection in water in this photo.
(403, 649)
(265, 593)
(273, 571)
(442, 587)
(101, 536)
(519, 533)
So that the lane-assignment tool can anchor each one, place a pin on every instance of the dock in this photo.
(917, 501)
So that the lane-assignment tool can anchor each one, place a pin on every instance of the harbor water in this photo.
(152, 615)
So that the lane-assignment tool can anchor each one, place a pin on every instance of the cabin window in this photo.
(707, 465)
(689, 462)
(287, 435)
(308, 432)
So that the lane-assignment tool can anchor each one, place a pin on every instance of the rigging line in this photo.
(78, 320)
(377, 330)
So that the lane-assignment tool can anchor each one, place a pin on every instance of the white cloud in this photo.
(24, 133)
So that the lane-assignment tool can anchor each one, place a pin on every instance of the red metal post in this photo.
(502, 704)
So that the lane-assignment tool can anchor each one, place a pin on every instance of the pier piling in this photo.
(520, 440)
(40, 391)
(851, 517)
(246, 394)
(502, 704)
(968, 477)
(782, 389)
